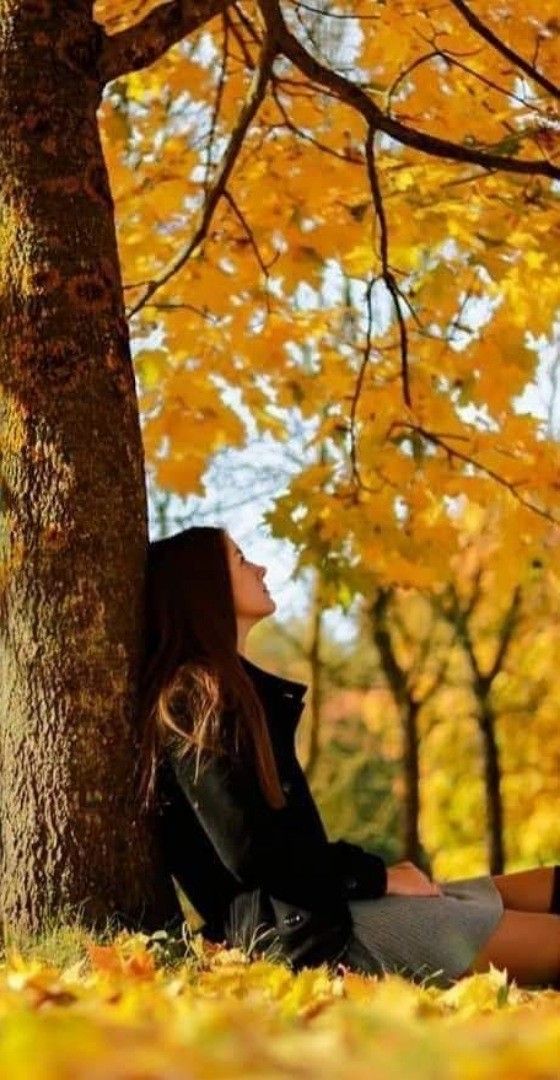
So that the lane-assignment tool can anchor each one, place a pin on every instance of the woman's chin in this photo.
(265, 605)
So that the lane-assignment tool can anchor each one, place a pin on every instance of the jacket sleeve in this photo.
(362, 875)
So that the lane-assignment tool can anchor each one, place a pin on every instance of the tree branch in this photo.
(508, 626)
(142, 44)
(519, 61)
(396, 676)
(388, 276)
(250, 108)
(459, 618)
(353, 95)
(453, 453)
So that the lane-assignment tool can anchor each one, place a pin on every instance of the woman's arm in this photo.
(362, 874)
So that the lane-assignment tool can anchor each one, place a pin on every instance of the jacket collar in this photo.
(277, 689)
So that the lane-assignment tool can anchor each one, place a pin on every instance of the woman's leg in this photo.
(527, 943)
(526, 890)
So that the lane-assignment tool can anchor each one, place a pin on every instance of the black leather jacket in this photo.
(264, 879)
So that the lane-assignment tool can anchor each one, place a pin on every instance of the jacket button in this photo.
(286, 786)
(288, 693)
(293, 918)
(351, 883)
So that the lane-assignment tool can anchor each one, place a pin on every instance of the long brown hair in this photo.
(194, 690)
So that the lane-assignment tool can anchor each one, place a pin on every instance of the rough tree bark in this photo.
(73, 522)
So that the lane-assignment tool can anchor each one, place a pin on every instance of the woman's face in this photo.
(251, 597)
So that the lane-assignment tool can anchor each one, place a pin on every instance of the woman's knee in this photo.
(526, 890)
(527, 944)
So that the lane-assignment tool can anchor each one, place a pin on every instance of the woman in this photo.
(240, 830)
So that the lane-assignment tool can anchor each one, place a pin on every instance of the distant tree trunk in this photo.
(72, 498)
(411, 768)
(493, 792)
(408, 712)
(316, 671)
(483, 682)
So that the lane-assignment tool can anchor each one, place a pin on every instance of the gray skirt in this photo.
(430, 939)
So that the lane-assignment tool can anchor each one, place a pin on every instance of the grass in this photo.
(120, 1006)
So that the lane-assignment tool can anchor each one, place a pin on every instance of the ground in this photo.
(129, 1007)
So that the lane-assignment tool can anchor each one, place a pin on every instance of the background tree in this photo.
(412, 685)
(482, 683)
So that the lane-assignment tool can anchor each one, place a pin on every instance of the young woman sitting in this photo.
(239, 828)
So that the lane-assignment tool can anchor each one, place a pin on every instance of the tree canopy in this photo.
(349, 210)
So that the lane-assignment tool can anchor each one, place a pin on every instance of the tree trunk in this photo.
(408, 710)
(493, 792)
(317, 613)
(411, 769)
(73, 516)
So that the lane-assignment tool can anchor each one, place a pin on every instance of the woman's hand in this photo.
(406, 879)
